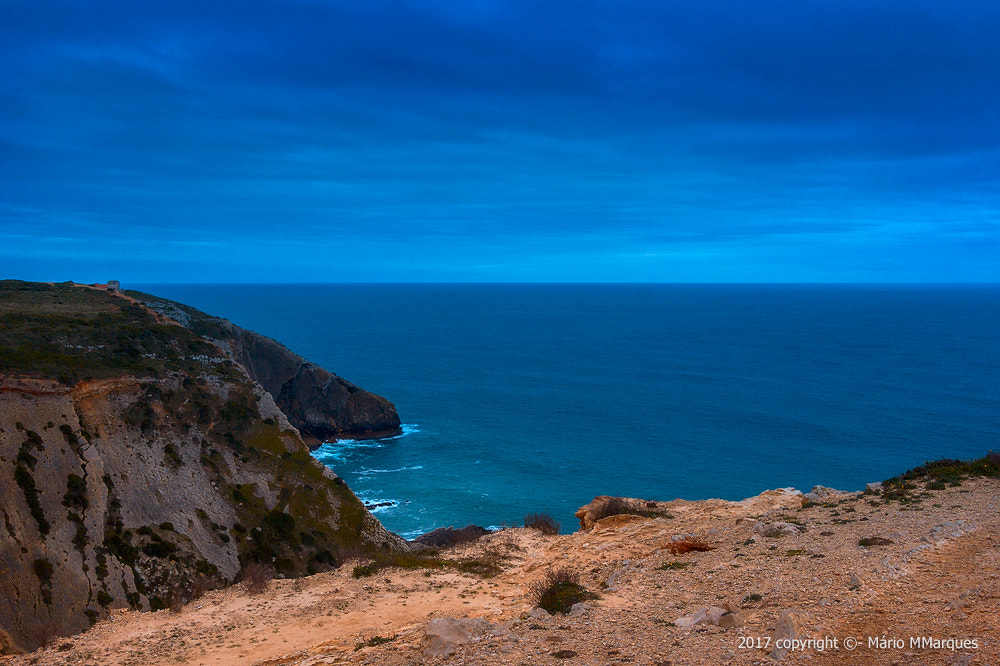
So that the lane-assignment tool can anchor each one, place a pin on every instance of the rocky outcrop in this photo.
(139, 488)
(320, 404)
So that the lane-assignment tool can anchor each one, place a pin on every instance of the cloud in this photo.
(515, 130)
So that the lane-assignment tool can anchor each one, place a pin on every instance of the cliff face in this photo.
(152, 466)
(320, 404)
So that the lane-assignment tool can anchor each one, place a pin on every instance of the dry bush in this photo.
(7, 645)
(688, 546)
(543, 522)
(612, 506)
(558, 590)
(256, 576)
(187, 591)
(615, 506)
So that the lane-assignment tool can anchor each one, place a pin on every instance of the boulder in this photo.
(444, 635)
(791, 624)
(443, 537)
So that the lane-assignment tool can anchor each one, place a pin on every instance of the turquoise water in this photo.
(524, 398)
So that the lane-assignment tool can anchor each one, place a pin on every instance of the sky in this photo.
(500, 141)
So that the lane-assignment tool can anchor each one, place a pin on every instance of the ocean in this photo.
(535, 398)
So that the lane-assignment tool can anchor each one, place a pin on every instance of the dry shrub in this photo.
(543, 522)
(256, 576)
(185, 592)
(688, 546)
(615, 506)
(7, 645)
(558, 591)
(612, 506)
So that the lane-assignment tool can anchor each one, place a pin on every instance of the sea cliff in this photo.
(141, 462)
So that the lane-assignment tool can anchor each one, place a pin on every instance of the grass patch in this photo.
(674, 566)
(870, 542)
(484, 566)
(938, 475)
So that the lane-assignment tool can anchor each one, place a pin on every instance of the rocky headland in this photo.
(144, 460)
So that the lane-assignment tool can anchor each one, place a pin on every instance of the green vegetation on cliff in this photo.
(73, 333)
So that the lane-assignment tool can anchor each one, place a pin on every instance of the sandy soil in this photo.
(938, 581)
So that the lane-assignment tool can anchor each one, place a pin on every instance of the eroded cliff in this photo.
(138, 461)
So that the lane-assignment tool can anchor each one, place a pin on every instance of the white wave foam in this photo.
(338, 450)
(410, 468)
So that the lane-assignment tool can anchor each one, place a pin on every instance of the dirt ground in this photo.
(925, 589)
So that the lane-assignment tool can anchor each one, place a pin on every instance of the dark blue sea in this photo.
(525, 398)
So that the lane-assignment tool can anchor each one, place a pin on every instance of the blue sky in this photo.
(480, 140)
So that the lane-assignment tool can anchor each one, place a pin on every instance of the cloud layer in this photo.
(318, 140)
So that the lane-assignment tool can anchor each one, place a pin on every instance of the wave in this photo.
(380, 505)
(339, 450)
(367, 472)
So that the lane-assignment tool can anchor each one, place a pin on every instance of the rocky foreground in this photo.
(830, 578)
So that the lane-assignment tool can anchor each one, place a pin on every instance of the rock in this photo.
(579, 609)
(875, 488)
(702, 615)
(822, 494)
(777, 529)
(443, 537)
(564, 654)
(444, 635)
(791, 624)
(856, 581)
(779, 498)
(539, 614)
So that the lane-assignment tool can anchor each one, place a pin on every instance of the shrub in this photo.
(543, 522)
(558, 591)
(364, 570)
(615, 506)
(612, 506)
(76, 493)
(256, 576)
(868, 542)
(7, 645)
(374, 641)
